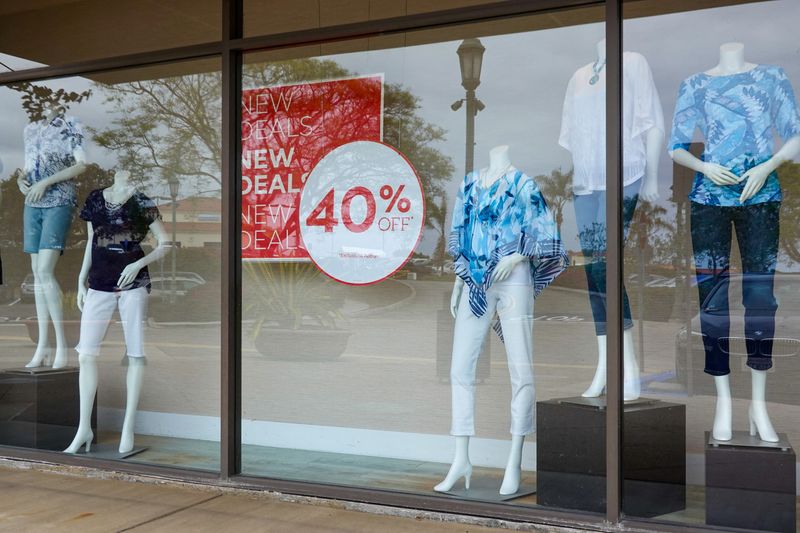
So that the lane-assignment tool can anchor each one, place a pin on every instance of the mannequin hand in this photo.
(36, 191)
(506, 265)
(22, 183)
(458, 288)
(649, 192)
(755, 177)
(129, 274)
(81, 295)
(719, 174)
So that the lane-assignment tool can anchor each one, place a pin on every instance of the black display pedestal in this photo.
(571, 456)
(39, 407)
(750, 484)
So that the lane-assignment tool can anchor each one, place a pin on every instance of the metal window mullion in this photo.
(614, 251)
(231, 340)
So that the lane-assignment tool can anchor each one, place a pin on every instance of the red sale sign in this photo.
(286, 131)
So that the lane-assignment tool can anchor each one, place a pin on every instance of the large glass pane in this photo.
(369, 356)
(711, 262)
(111, 264)
(35, 33)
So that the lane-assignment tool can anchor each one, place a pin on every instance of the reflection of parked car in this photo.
(162, 287)
(785, 351)
(27, 288)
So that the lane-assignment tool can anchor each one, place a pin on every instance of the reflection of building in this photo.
(198, 221)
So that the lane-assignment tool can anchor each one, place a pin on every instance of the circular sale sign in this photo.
(361, 212)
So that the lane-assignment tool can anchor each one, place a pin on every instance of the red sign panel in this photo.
(286, 131)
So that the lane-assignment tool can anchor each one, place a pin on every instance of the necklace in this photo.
(596, 68)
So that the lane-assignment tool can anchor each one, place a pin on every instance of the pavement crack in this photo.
(165, 515)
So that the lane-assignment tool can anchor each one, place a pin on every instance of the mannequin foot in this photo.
(722, 429)
(82, 437)
(40, 358)
(632, 391)
(511, 480)
(61, 358)
(597, 387)
(457, 470)
(125, 441)
(759, 421)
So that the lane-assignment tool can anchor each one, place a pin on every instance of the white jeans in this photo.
(97, 311)
(513, 302)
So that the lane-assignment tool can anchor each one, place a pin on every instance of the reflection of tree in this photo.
(436, 219)
(37, 98)
(557, 191)
(652, 234)
(790, 210)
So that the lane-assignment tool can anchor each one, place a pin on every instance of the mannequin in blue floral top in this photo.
(506, 250)
(737, 106)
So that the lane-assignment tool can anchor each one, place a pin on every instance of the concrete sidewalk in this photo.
(34, 500)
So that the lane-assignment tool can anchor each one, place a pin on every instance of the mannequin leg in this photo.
(87, 380)
(723, 416)
(513, 474)
(42, 317)
(460, 467)
(49, 292)
(759, 418)
(633, 388)
(134, 387)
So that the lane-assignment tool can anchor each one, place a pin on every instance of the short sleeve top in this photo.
(51, 147)
(118, 234)
(583, 122)
(490, 222)
(736, 116)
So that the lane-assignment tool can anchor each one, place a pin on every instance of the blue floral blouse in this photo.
(492, 222)
(736, 115)
(50, 147)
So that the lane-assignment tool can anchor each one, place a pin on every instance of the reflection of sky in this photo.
(523, 82)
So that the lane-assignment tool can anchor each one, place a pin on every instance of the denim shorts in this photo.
(45, 228)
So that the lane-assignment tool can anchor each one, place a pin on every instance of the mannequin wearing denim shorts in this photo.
(53, 158)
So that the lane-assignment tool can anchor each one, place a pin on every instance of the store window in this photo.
(37, 33)
(396, 203)
(110, 325)
(711, 266)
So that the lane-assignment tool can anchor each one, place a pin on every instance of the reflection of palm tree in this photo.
(648, 226)
(437, 218)
(557, 191)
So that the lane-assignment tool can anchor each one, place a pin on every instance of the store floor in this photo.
(40, 501)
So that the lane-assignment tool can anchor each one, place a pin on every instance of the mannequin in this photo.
(507, 285)
(739, 190)
(583, 134)
(118, 218)
(53, 158)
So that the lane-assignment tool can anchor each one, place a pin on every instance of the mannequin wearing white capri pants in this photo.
(118, 219)
(506, 250)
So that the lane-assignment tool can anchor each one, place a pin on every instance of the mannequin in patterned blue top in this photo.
(736, 106)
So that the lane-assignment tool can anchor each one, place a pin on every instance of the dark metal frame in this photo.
(231, 49)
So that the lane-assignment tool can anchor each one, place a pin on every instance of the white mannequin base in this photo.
(633, 386)
(757, 413)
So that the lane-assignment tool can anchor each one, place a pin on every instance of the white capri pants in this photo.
(513, 302)
(98, 309)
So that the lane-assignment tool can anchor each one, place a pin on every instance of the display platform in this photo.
(571, 455)
(751, 484)
(39, 407)
(486, 489)
(109, 451)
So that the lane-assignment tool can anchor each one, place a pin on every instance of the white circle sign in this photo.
(361, 212)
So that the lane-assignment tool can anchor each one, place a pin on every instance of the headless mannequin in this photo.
(118, 193)
(732, 61)
(649, 192)
(499, 164)
(47, 292)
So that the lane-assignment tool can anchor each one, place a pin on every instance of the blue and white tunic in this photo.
(736, 115)
(51, 147)
(509, 216)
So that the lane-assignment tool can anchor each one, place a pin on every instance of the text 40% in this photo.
(323, 214)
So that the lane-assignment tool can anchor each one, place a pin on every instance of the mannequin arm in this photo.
(506, 265)
(36, 191)
(716, 173)
(162, 248)
(653, 147)
(757, 175)
(458, 288)
(85, 266)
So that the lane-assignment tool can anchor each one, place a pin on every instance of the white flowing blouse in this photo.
(583, 122)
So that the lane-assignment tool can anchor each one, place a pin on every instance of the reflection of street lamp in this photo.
(174, 184)
(470, 58)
